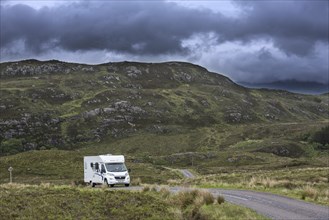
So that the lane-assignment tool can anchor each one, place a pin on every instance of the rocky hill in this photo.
(64, 105)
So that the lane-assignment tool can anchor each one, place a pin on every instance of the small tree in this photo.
(321, 136)
(11, 146)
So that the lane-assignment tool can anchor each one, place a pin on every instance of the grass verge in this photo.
(50, 201)
(309, 184)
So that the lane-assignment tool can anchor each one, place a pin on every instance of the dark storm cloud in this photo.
(132, 27)
(263, 66)
(295, 28)
(160, 27)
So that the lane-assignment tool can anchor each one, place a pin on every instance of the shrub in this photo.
(321, 136)
(43, 148)
(11, 146)
(220, 199)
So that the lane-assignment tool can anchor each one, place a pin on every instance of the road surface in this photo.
(274, 206)
(267, 204)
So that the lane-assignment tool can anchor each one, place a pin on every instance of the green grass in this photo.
(228, 211)
(68, 202)
(59, 202)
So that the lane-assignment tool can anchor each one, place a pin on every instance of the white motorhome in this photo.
(106, 169)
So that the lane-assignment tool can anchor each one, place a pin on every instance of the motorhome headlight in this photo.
(111, 174)
(127, 174)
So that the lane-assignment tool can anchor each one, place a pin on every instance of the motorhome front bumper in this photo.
(119, 180)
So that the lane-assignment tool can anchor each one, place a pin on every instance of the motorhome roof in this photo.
(112, 158)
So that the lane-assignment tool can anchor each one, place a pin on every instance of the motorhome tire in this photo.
(111, 185)
(126, 185)
(106, 183)
(93, 184)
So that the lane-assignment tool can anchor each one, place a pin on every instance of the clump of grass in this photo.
(153, 188)
(206, 196)
(252, 182)
(165, 192)
(190, 202)
(146, 189)
(185, 198)
(104, 186)
(45, 185)
(136, 181)
(267, 182)
(310, 192)
(176, 213)
(287, 184)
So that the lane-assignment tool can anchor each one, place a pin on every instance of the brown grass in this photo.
(136, 181)
(310, 192)
(146, 189)
(165, 191)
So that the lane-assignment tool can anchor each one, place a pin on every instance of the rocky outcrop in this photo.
(133, 72)
(17, 69)
(120, 107)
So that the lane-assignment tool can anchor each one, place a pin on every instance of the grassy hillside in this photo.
(152, 158)
(60, 105)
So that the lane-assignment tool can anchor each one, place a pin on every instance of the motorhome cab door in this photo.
(97, 177)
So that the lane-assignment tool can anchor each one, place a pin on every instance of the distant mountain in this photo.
(56, 104)
(292, 86)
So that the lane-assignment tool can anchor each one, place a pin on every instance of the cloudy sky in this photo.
(249, 41)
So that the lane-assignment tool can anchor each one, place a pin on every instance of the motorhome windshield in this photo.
(116, 167)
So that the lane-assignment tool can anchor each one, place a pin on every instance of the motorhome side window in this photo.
(103, 169)
(97, 166)
(92, 166)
